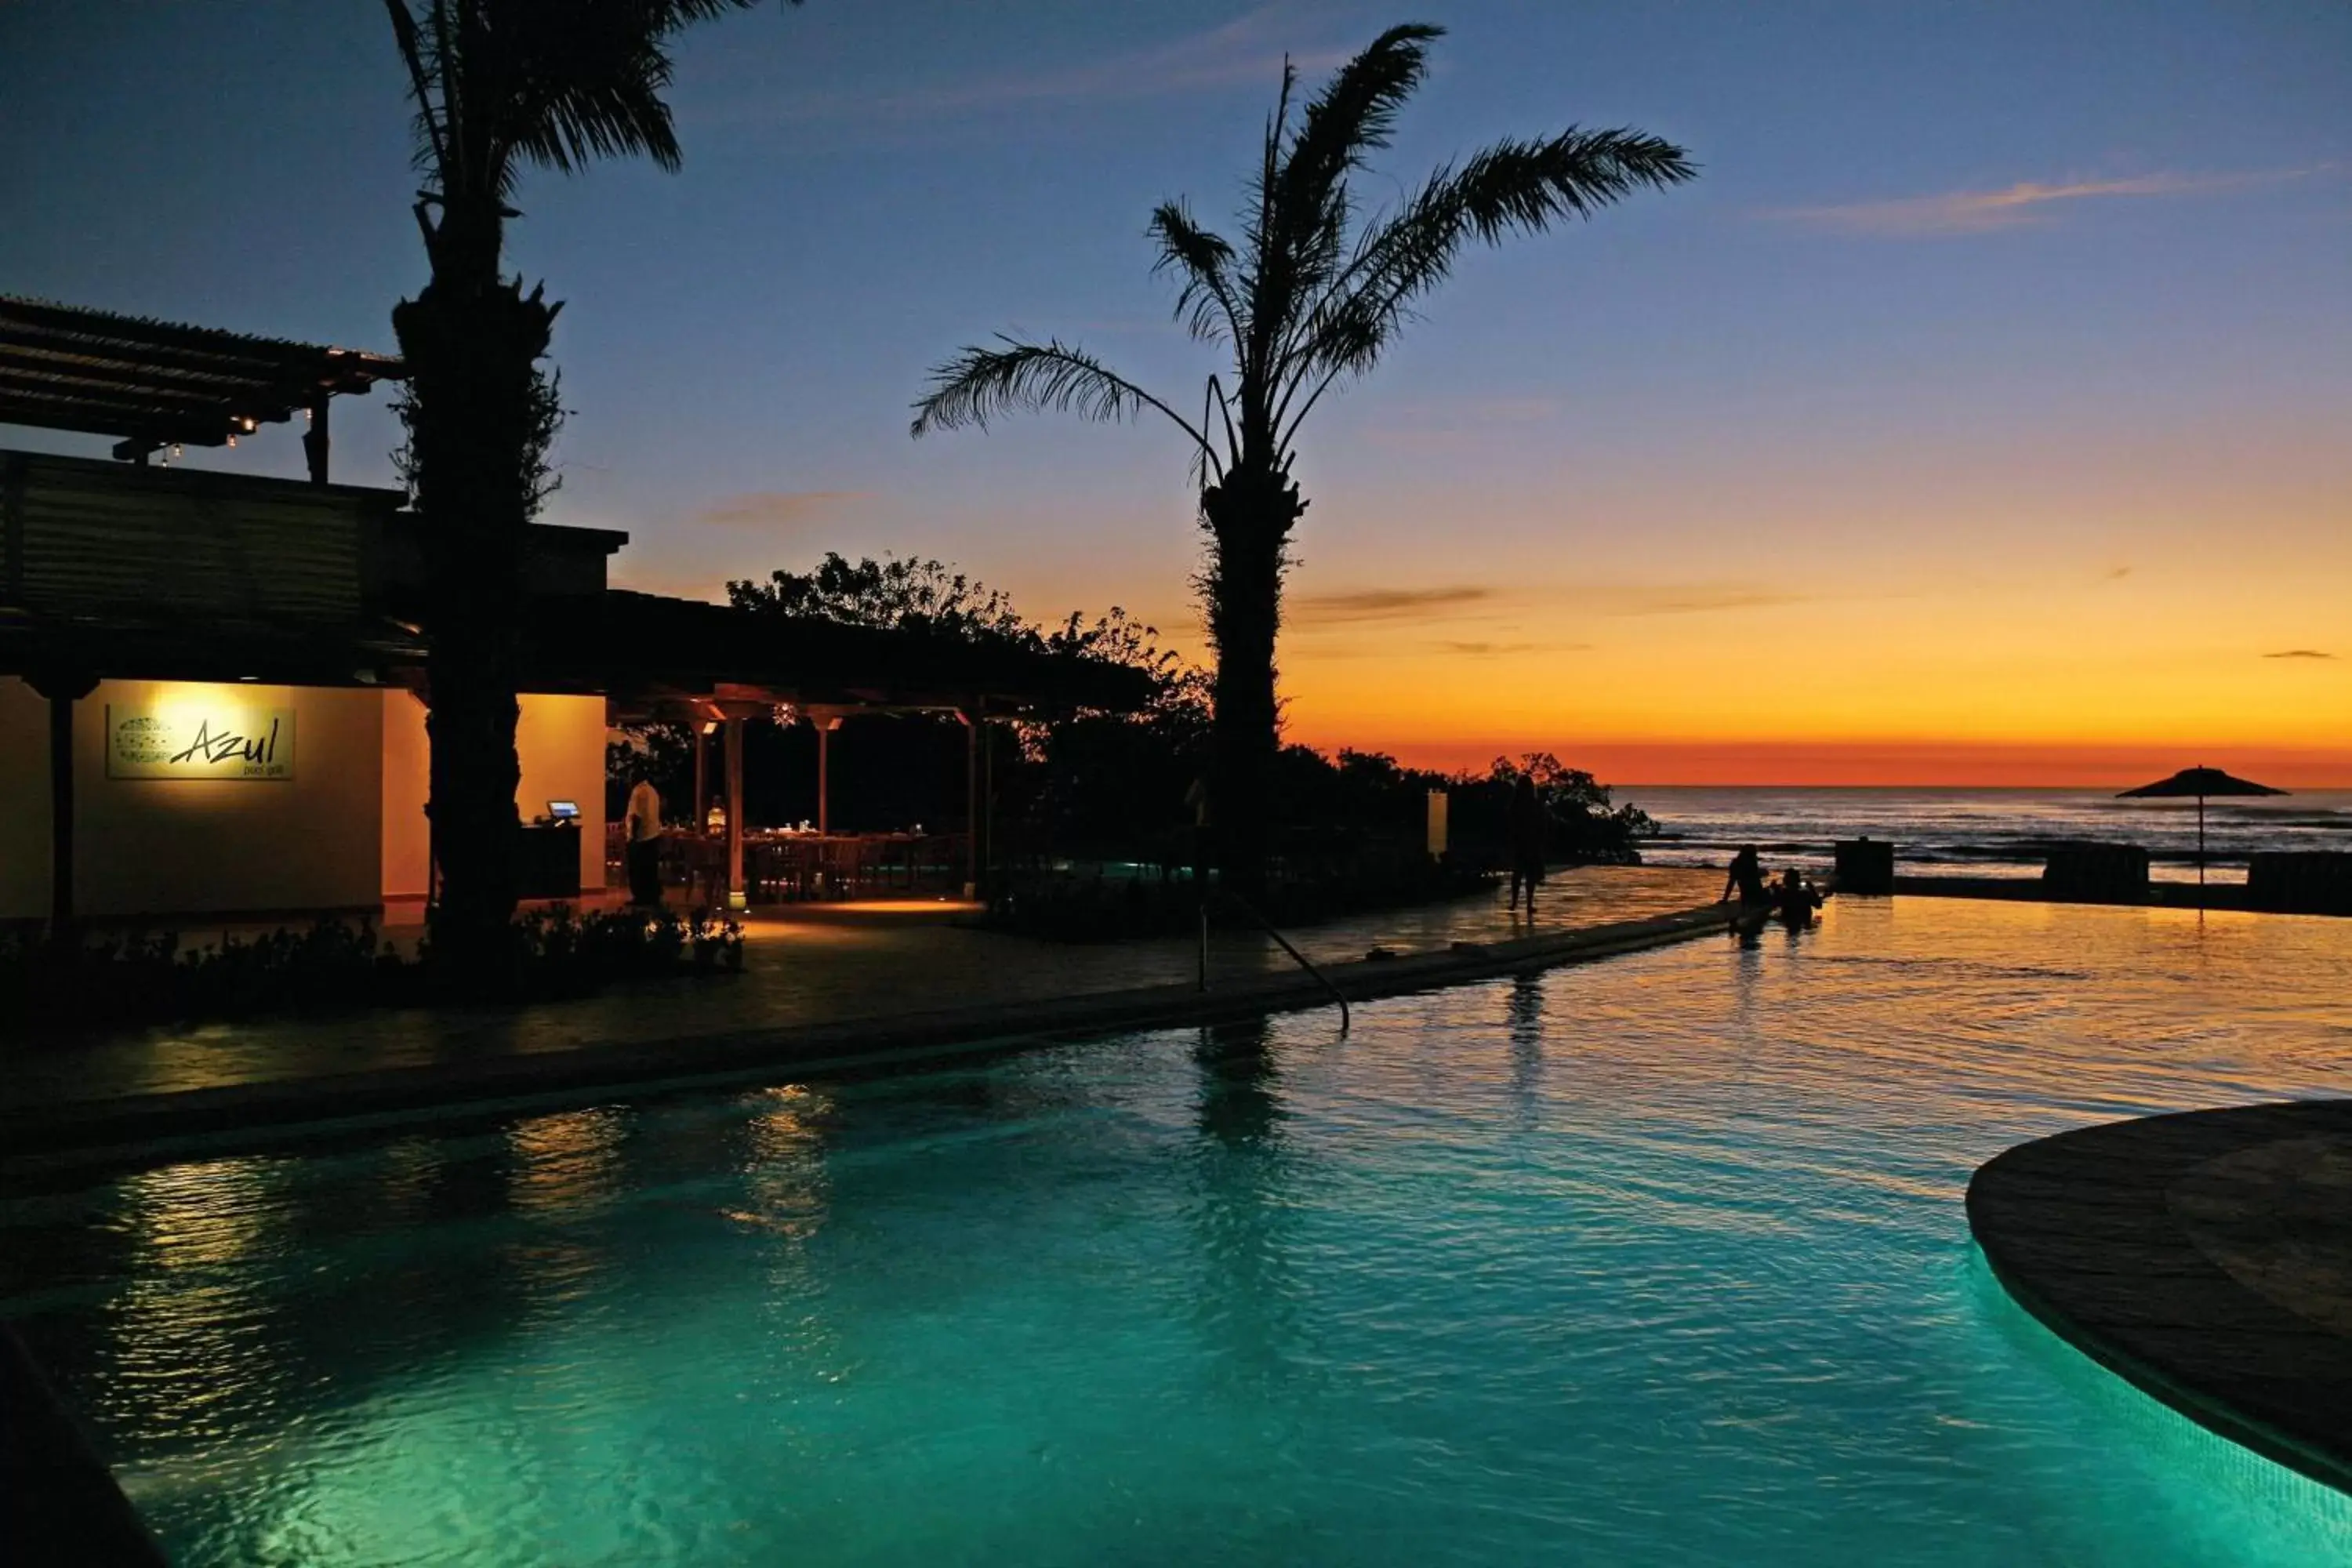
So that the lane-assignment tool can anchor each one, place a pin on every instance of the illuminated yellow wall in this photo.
(175, 846)
(347, 831)
(560, 744)
(407, 780)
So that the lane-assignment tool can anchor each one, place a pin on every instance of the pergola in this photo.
(158, 384)
(712, 667)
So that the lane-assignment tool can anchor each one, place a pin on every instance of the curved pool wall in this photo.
(1660, 1261)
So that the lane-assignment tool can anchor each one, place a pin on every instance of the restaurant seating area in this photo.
(783, 866)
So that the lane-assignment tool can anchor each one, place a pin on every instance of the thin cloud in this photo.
(1466, 602)
(1386, 605)
(1685, 599)
(1248, 49)
(2026, 202)
(2299, 653)
(1495, 649)
(776, 509)
(2118, 573)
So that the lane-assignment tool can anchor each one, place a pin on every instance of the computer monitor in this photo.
(563, 810)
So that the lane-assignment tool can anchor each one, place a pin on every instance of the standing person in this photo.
(644, 822)
(1525, 823)
(1197, 799)
(1746, 875)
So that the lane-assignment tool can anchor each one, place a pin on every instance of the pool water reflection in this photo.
(1656, 1260)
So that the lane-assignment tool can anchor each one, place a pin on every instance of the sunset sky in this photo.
(1982, 414)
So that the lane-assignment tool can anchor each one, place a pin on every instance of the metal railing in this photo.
(1268, 926)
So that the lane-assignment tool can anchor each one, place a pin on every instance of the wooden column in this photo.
(315, 441)
(12, 529)
(986, 856)
(697, 812)
(971, 800)
(824, 729)
(736, 898)
(62, 689)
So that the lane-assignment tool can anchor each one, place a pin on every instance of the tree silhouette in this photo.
(1314, 292)
(499, 84)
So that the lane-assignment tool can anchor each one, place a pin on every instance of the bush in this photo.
(334, 967)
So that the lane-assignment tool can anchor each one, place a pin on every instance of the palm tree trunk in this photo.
(472, 340)
(1249, 518)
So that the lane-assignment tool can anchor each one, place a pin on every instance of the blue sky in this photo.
(1997, 300)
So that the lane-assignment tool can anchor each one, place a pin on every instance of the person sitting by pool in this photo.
(1794, 899)
(1746, 875)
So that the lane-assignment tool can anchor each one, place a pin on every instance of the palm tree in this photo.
(499, 84)
(1314, 292)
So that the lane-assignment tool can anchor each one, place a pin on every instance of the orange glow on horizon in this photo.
(2085, 678)
(1890, 765)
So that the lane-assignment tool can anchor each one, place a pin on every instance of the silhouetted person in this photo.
(1794, 897)
(1196, 801)
(1524, 823)
(1746, 878)
(644, 843)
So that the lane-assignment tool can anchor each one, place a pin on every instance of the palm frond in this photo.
(1355, 113)
(430, 148)
(979, 384)
(1514, 187)
(592, 107)
(1205, 303)
(1306, 204)
(1526, 187)
(556, 82)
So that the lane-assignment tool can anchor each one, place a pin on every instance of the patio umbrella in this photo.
(2200, 783)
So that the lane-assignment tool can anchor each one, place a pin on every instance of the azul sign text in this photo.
(199, 740)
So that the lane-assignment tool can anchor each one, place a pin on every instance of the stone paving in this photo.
(2205, 1256)
(804, 968)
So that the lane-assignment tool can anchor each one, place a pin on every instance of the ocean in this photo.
(1981, 832)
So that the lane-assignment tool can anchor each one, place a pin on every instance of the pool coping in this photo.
(2080, 1229)
(126, 1130)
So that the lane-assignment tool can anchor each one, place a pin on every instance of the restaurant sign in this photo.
(200, 740)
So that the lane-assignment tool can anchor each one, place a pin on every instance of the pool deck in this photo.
(2206, 1256)
(822, 990)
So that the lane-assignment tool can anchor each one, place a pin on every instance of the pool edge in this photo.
(46, 1143)
(2324, 1459)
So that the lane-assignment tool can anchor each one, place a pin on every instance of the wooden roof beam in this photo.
(106, 326)
(233, 409)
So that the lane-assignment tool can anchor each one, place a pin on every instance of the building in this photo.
(212, 687)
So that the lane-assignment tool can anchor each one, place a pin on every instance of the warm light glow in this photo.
(567, 1163)
(187, 732)
(2087, 678)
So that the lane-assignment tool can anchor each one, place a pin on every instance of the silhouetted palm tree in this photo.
(1314, 292)
(499, 84)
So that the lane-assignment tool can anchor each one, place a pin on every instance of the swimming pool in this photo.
(1657, 1260)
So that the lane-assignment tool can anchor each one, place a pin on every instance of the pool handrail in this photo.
(1268, 926)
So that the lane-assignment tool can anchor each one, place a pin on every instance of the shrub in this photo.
(149, 978)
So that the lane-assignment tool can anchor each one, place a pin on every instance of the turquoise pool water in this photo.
(1660, 1260)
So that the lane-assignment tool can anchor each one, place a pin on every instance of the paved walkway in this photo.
(2207, 1257)
(836, 971)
